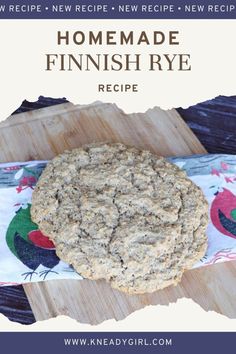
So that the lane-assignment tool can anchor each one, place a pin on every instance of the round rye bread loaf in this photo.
(121, 214)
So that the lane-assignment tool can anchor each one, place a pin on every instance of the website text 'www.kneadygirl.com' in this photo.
(118, 341)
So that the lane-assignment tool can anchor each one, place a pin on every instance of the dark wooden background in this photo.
(213, 122)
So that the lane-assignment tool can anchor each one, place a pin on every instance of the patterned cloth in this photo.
(28, 255)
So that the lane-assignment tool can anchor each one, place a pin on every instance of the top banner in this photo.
(102, 9)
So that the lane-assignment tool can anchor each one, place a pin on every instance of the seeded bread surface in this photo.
(121, 214)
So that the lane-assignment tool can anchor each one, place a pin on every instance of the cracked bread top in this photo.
(121, 214)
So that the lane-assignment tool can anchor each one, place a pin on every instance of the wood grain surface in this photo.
(14, 305)
(44, 133)
(214, 123)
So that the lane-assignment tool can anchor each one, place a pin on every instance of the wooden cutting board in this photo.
(44, 133)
